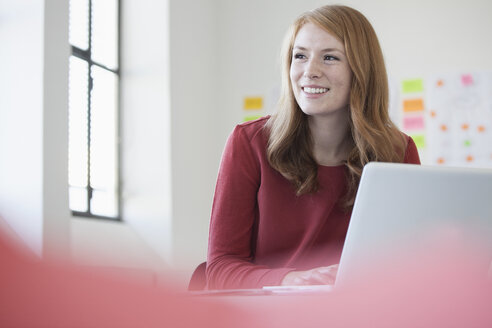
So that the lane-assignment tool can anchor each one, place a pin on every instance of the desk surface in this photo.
(399, 305)
(268, 291)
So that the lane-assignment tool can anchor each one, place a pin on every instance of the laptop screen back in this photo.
(403, 209)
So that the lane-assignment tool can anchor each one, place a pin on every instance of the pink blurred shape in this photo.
(467, 79)
(421, 289)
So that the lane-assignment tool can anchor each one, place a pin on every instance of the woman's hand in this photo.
(317, 276)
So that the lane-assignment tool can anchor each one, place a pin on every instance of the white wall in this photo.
(56, 213)
(196, 120)
(422, 37)
(145, 122)
(21, 112)
(33, 131)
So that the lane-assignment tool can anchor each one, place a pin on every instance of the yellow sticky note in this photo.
(411, 86)
(413, 105)
(419, 140)
(253, 103)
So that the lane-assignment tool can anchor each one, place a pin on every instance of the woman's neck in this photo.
(331, 138)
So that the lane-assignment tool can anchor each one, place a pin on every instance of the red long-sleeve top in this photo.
(260, 229)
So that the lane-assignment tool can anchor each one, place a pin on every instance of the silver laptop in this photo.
(403, 208)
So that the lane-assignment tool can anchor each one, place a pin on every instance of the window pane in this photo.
(79, 23)
(104, 203)
(105, 32)
(104, 123)
(77, 199)
(77, 122)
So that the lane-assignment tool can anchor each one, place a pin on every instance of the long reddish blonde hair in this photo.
(374, 136)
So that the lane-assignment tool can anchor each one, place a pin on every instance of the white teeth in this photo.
(315, 90)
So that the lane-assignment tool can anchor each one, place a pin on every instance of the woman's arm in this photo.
(317, 276)
(233, 221)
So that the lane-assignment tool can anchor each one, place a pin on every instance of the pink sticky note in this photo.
(467, 79)
(413, 123)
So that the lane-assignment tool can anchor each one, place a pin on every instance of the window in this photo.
(93, 108)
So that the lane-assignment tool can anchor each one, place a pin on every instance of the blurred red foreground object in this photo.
(414, 293)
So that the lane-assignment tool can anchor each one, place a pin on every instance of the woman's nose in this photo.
(312, 70)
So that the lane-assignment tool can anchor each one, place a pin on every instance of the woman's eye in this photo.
(299, 56)
(330, 58)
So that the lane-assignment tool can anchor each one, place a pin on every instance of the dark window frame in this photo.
(86, 55)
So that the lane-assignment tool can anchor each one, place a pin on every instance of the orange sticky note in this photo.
(444, 127)
(440, 83)
(433, 113)
(413, 105)
(481, 128)
(465, 126)
(440, 160)
(469, 158)
(253, 103)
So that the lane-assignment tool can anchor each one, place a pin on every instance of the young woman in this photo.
(287, 182)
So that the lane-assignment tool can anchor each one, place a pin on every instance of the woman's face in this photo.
(320, 74)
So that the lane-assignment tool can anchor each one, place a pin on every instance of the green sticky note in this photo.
(412, 86)
(251, 118)
(419, 140)
(467, 143)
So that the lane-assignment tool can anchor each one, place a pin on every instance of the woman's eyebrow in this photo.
(323, 50)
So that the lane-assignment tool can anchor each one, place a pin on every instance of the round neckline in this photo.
(331, 166)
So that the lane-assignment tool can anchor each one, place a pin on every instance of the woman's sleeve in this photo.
(411, 153)
(232, 225)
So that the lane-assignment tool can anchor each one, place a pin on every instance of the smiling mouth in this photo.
(315, 90)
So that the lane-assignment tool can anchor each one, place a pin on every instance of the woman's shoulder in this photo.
(411, 151)
(247, 142)
(406, 138)
(254, 125)
(252, 129)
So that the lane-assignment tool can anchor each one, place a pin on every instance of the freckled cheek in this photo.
(294, 80)
(347, 88)
(293, 75)
(344, 82)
